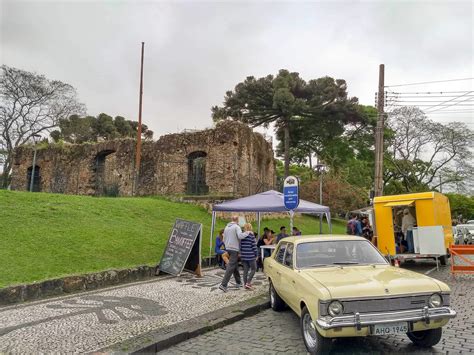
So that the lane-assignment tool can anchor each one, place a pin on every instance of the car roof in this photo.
(320, 238)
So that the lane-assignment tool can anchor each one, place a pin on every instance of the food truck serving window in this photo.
(399, 203)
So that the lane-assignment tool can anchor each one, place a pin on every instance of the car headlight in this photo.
(335, 308)
(435, 300)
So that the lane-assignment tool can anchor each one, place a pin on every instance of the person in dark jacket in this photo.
(248, 255)
(358, 226)
(296, 231)
(261, 242)
(282, 234)
(367, 231)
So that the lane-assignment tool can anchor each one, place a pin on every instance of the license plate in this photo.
(390, 328)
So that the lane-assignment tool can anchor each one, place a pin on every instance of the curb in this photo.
(74, 284)
(163, 338)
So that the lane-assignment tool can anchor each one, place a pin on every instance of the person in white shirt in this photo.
(408, 222)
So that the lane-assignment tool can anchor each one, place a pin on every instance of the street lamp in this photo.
(32, 177)
(320, 169)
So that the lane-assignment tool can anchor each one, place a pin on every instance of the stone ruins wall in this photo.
(229, 159)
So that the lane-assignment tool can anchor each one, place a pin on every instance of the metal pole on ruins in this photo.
(139, 130)
(379, 148)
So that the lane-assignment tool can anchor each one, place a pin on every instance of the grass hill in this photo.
(45, 236)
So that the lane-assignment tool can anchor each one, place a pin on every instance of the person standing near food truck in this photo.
(408, 222)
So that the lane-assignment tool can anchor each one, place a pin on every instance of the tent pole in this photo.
(328, 218)
(212, 236)
(320, 223)
(258, 218)
(291, 212)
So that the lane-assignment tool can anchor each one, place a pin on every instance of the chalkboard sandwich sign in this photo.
(183, 250)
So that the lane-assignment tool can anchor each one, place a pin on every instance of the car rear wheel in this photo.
(426, 338)
(314, 342)
(276, 302)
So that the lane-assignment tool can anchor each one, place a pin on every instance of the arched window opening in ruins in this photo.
(106, 183)
(36, 179)
(197, 174)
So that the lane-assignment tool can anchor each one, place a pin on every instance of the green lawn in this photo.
(45, 236)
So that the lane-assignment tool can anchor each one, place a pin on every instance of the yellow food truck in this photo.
(425, 217)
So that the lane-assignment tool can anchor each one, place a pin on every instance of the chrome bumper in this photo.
(366, 319)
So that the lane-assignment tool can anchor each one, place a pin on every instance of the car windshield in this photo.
(465, 228)
(337, 252)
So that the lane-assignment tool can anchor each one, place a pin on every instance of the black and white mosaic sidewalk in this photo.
(92, 321)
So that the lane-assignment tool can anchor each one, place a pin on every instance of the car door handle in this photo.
(278, 273)
(293, 281)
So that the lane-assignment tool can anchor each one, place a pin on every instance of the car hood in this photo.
(370, 281)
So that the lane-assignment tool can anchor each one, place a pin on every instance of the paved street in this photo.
(96, 320)
(270, 332)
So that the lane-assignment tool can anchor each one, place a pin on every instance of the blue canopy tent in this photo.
(268, 201)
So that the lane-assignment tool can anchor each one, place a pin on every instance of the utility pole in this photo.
(321, 188)
(379, 148)
(320, 168)
(139, 130)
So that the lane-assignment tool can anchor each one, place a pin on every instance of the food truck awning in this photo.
(399, 203)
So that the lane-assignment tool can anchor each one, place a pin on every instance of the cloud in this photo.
(195, 51)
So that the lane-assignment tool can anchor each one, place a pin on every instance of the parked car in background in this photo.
(342, 286)
(464, 234)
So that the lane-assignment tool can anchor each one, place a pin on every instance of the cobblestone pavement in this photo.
(91, 321)
(270, 333)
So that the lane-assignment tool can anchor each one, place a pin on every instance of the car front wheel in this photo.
(314, 342)
(426, 338)
(276, 302)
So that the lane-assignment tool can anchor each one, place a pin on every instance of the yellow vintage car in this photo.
(342, 286)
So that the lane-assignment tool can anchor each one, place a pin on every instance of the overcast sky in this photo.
(195, 51)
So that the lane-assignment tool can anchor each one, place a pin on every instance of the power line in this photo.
(429, 101)
(446, 101)
(467, 112)
(428, 82)
(453, 104)
(449, 120)
(429, 92)
(464, 109)
(458, 124)
(427, 106)
(423, 96)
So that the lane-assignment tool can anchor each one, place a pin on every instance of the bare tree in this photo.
(421, 150)
(30, 104)
(3, 154)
